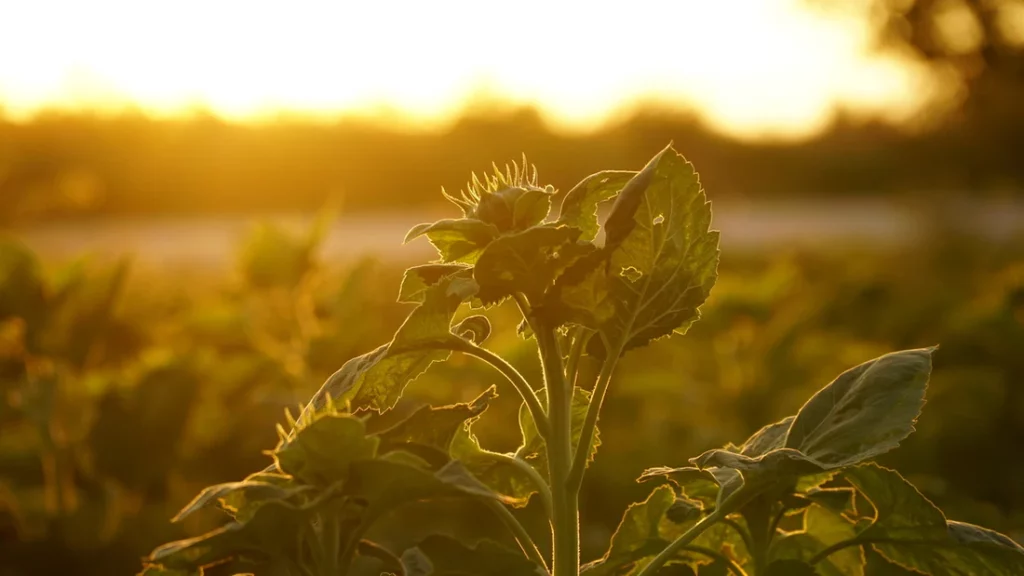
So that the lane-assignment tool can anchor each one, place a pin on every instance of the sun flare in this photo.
(748, 67)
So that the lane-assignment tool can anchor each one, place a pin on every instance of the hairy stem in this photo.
(522, 536)
(579, 463)
(581, 336)
(565, 512)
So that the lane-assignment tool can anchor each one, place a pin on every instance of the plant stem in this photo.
(579, 342)
(743, 533)
(565, 512)
(579, 464)
(685, 539)
(522, 536)
(511, 374)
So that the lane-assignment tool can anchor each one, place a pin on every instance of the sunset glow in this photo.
(754, 67)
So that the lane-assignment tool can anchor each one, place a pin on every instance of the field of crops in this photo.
(125, 394)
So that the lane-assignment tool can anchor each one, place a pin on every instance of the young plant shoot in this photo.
(800, 497)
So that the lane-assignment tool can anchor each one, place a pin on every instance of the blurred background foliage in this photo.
(128, 385)
(125, 397)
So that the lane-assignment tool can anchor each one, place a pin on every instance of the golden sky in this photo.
(749, 67)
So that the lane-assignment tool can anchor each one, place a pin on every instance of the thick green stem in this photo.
(758, 514)
(565, 513)
(520, 533)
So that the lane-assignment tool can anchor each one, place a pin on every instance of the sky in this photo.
(749, 68)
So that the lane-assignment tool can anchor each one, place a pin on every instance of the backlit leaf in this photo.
(822, 528)
(864, 412)
(911, 532)
(434, 427)
(637, 536)
(579, 206)
(418, 279)
(376, 379)
(456, 240)
(247, 491)
(492, 469)
(659, 261)
(526, 262)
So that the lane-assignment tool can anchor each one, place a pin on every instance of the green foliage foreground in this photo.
(799, 497)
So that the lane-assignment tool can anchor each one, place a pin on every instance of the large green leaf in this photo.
(251, 491)
(864, 412)
(258, 539)
(533, 447)
(822, 528)
(579, 206)
(443, 556)
(693, 482)
(659, 261)
(494, 470)
(456, 240)
(527, 262)
(321, 452)
(376, 379)
(911, 532)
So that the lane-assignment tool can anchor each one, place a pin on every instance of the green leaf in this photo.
(579, 206)
(527, 262)
(456, 240)
(258, 539)
(910, 531)
(659, 261)
(766, 439)
(822, 528)
(227, 496)
(434, 427)
(533, 448)
(837, 500)
(321, 452)
(693, 482)
(385, 485)
(494, 470)
(638, 535)
(864, 412)
(419, 279)
(377, 379)
(448, 557)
